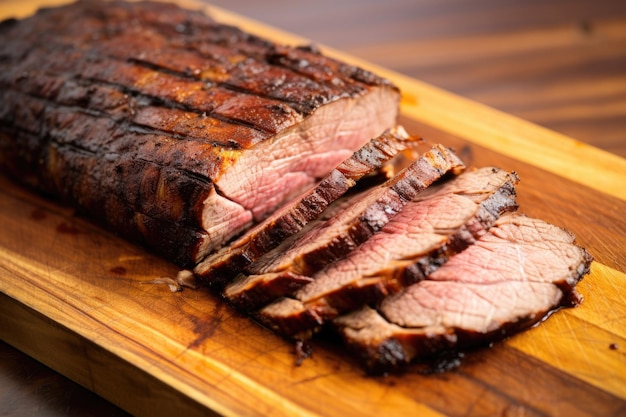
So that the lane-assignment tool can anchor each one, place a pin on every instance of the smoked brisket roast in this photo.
(279, 176)
(175, 130)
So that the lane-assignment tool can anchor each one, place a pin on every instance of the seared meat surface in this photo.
(154, 118)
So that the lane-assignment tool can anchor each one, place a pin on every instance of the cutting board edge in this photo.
(56, 337)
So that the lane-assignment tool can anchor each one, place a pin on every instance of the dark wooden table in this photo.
(558, 63)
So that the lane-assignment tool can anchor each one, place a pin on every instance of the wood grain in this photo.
(80, 299)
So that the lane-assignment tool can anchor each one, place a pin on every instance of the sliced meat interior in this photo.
(278, 272)
(438, 223)
(226, 263)
(511, 278)
(154, 117)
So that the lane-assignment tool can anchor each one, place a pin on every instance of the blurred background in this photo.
(558, 63)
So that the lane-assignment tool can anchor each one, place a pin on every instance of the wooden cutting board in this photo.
(81, 300)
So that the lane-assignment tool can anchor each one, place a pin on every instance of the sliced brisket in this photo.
(440, 222)
(225, 264)
(157, 118)
(289, 266)
(510, 279)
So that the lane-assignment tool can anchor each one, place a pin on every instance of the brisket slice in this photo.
(220, 267)
(512, 278)
(290, 265)
(154, 118)
(442, 221)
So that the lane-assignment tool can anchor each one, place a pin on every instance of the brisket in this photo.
(440, 222)
(220, 267)
(512, 278)
(289, 266)
(154, 118)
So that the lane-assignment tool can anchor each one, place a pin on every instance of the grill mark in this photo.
(73, 147)
(265, 48)
(230, 86)
(95, 54)
(191, 226)
(45, 137)
(134, 127)
(136, 95)
(266, 54)
(63, 73)
(293, 104)
(181, 31)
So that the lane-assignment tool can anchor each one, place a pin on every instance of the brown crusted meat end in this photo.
(214, 128)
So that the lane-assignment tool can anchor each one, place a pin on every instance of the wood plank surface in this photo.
(79, 299)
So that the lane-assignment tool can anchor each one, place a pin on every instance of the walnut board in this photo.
(79, 299)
